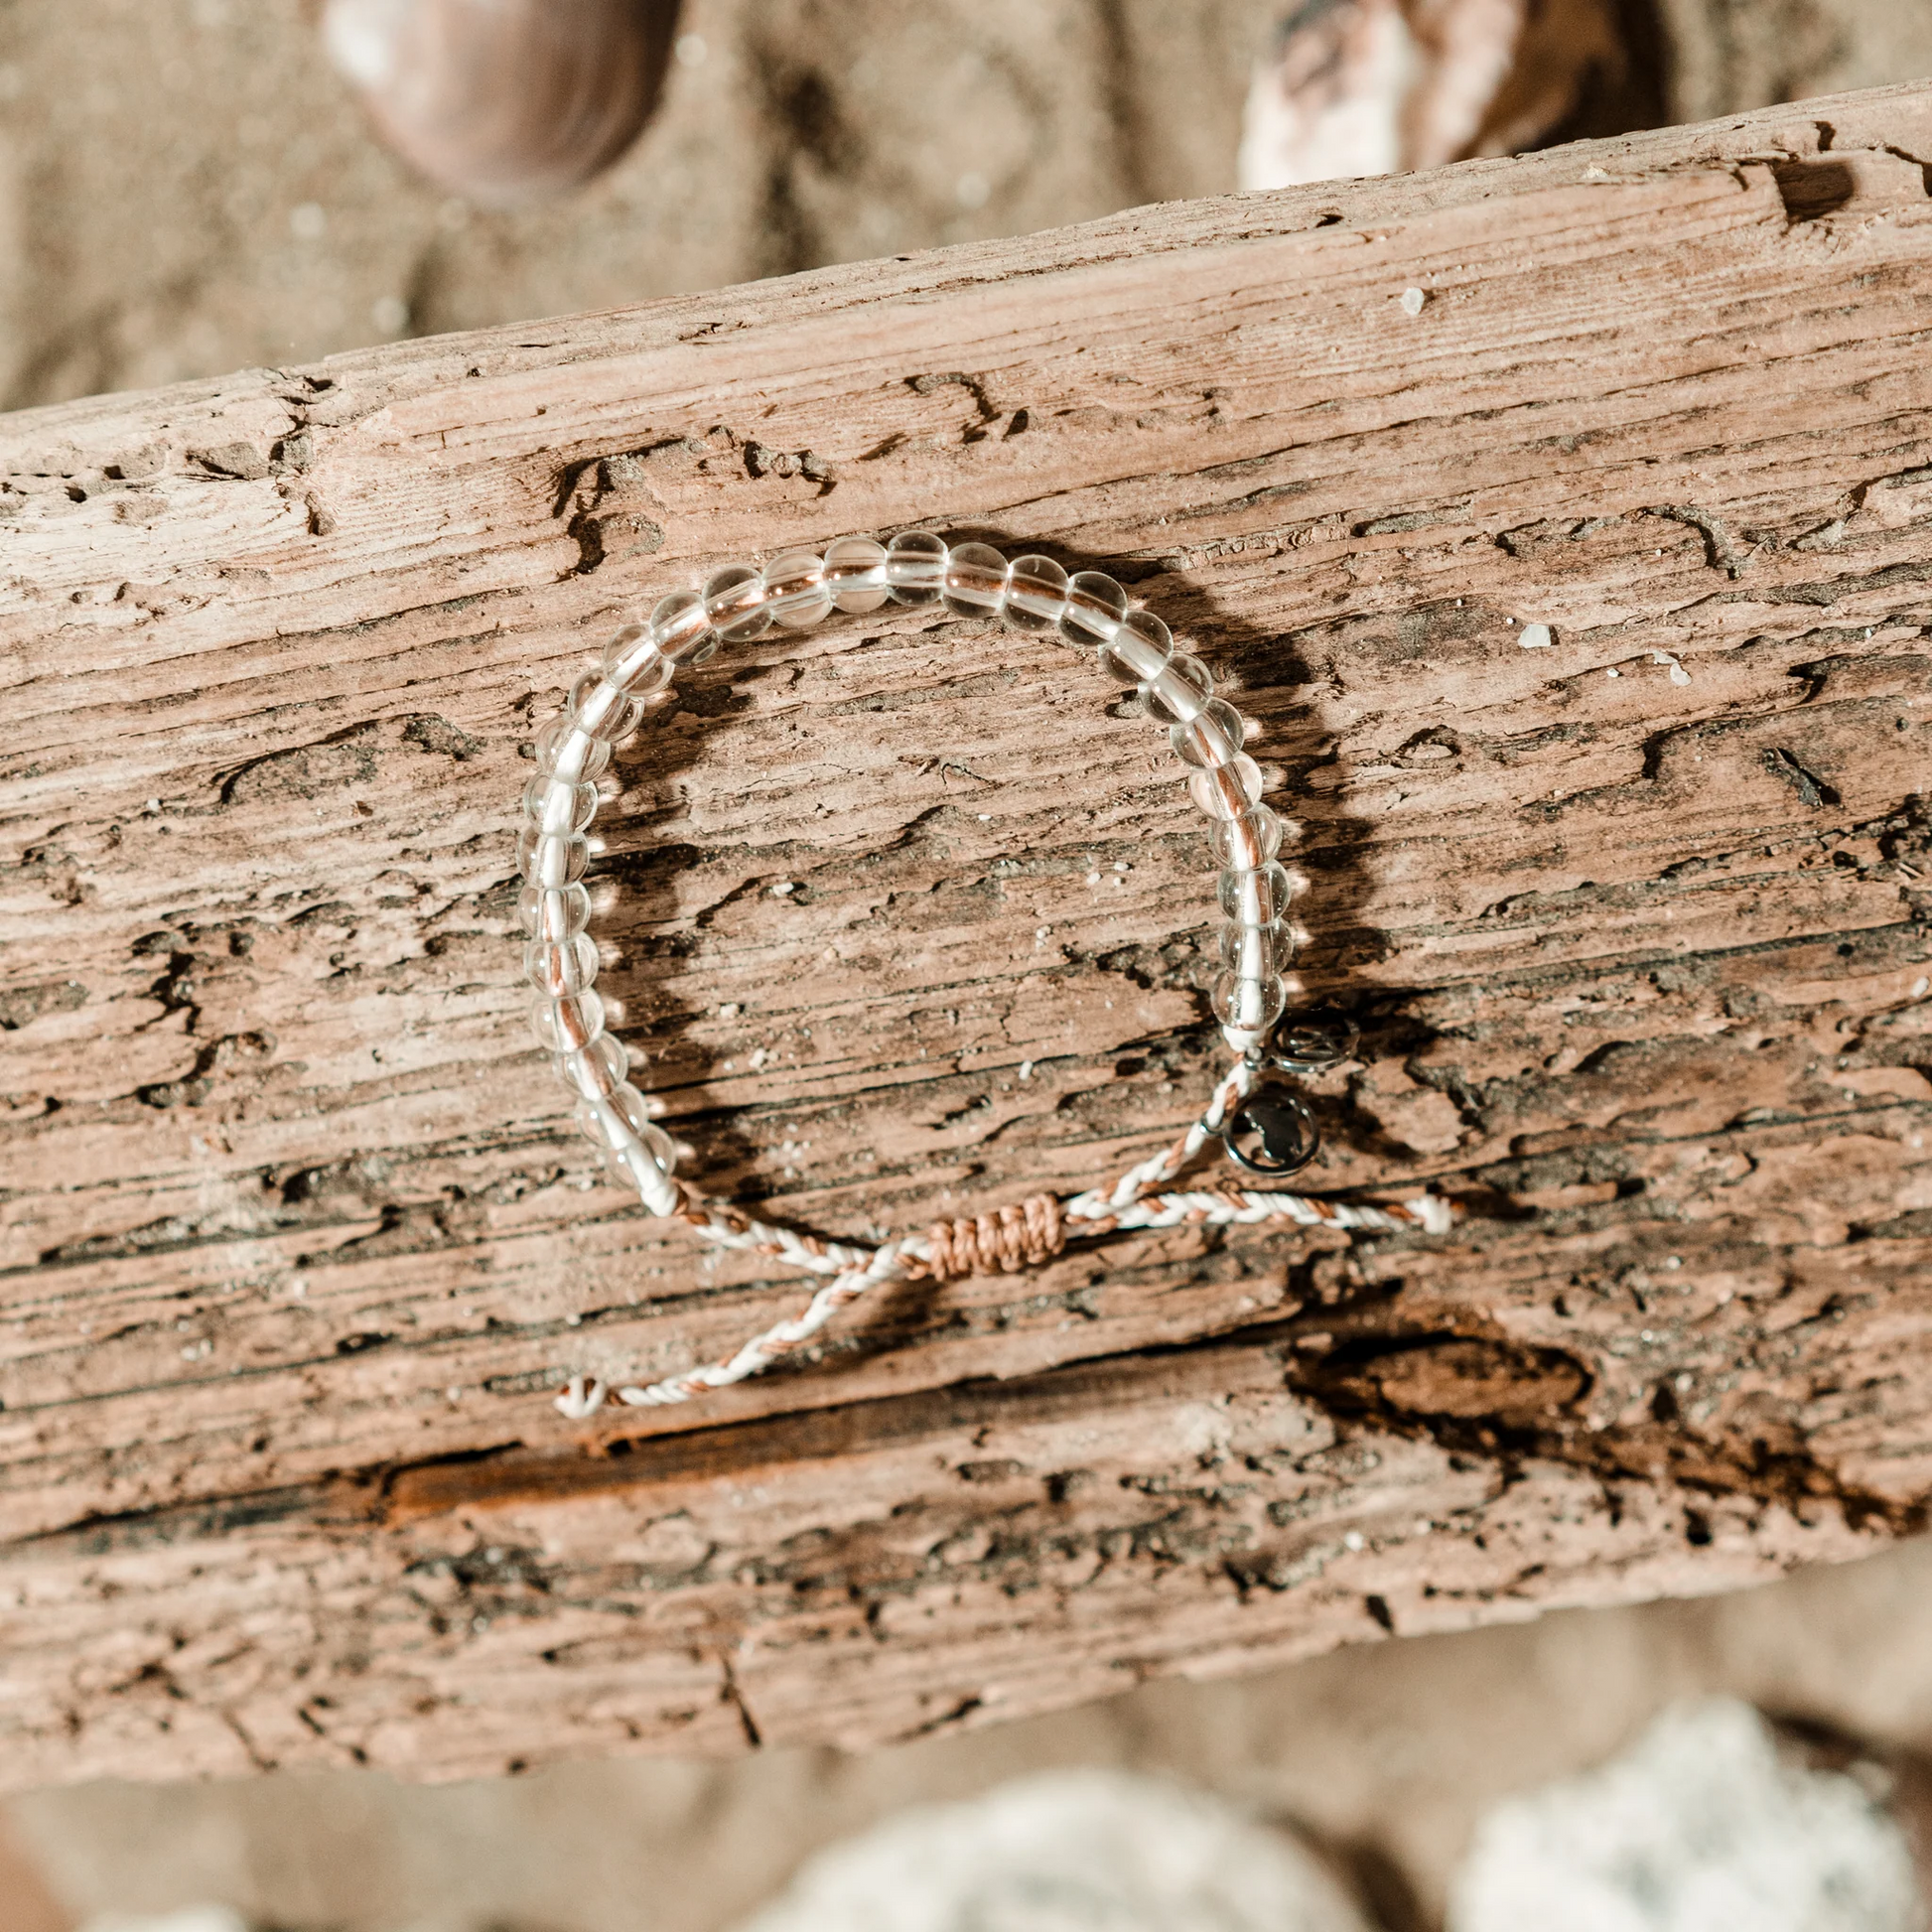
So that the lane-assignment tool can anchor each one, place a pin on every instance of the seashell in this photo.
(1355, 88)
(505, 100)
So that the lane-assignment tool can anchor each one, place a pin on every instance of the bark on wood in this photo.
(298, 1241)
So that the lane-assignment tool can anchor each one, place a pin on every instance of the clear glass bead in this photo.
(1095, 604)
(796, 591)
(916, 566)
(551, 859)
(601, 709)
(1227, 790)
(553, 913)
(680, 627)
(556, 805)
(1249, 1006)
(976, 581)
(654, 1144)
(622, 1114)
(633, 663)
(602, 1068)
(1035, 594)
(1181, 690)
(557, 968)
(1213, 738)
(569, 1024)
(1248, 841)
(1257, 897)
(734, 601)
(1254, 951)
(855, 568)
(1139, 648)
(568, 753)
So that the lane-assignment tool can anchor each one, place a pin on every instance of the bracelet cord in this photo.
(796, 591)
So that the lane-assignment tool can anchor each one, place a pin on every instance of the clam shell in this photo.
(505, 100)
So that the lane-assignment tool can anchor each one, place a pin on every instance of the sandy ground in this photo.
(185, 188)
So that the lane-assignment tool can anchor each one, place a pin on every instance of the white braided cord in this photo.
(1125, 1205)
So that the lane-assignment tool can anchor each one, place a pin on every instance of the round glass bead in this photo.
(622, 1114)
(565, 1025)
(601, 709)
(1095, 604)
(796, 591)
(554, 805)
(1249, 1006)
(854, 571)
(1248, 841)
(633, 663)
(553, 913)
(652, 1142)
(1257, 897)
(680, 627)
(556, 968)
(1227, 790)
(1181, 691)
(1035, 594)
(734, 601)
(1138, 650)
(916, 566)
(551, 859)
(1211, 738)
(976, 581)
(602, 1068)
(568, 753)
(1254, 951)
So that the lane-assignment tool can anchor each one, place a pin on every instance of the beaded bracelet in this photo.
(1264, 1128)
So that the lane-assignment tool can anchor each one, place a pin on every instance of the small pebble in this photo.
(1025, 1070)
(1412, 301)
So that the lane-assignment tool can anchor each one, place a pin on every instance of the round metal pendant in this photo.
(1271, 1133)
(1313, 1037)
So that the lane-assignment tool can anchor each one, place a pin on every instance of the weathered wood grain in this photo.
(296, 1240)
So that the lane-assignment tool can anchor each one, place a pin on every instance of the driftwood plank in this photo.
(295, 1238)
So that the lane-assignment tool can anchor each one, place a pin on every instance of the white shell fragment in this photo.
(1677, 674)
(1412, 301)
(1700, 1827)
(1066, 1852)
(1352, 88)
(1536, 636)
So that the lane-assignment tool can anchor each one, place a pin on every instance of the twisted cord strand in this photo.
(1005, 1240)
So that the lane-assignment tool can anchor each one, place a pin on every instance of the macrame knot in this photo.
(1004, 1241)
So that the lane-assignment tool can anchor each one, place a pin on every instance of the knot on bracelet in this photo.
(1002, 1241)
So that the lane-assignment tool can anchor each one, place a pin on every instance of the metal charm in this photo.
(1271, 1133)
(1311, 1039)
